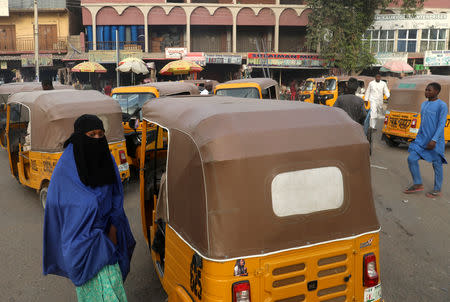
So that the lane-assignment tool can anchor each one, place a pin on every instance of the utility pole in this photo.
(36, 39)
(117, 58)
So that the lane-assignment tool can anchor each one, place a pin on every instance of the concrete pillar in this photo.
(188, 32)
(234, 32)
(277, 34)
(94, 11)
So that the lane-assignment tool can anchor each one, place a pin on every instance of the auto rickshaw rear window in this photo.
(407, 85)
(131, 103)
(247, 92)
(316, 194)
(330, 84)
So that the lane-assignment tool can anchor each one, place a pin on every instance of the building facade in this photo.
(59, 21)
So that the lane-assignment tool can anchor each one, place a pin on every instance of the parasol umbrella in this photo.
(134, 65)
(89, 67)
(180, 67)
(396, 66)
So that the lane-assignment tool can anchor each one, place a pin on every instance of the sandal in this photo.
(433, 194)
(414, 189)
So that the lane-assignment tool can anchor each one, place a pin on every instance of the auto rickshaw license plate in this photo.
(398, 123)
(123, 167)
(372, 294)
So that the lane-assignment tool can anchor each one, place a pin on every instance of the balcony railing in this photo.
(26, 45)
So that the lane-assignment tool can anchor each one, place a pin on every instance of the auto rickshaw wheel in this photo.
(390, 142)
(43, 195)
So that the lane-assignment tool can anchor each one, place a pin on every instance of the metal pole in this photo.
(117, 58)
(36, 39)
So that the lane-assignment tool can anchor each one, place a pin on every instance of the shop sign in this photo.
(383, 57)
(418, 21)
(284, 60)
(196, 57)
(176, 52)
(224, 59)
(4, 11)
(109, 56)
(44, 60)
(3, 65)
(437, 58)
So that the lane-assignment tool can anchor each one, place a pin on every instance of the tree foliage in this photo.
(337, 28)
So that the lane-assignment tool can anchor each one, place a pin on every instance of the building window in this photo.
(380, 40)
(407, 40)
(433, 39)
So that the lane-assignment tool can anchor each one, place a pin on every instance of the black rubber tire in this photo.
(43, 196)
(390, 142)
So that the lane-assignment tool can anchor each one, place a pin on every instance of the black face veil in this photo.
(92, 156)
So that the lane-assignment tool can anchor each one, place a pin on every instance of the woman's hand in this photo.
(113, 234)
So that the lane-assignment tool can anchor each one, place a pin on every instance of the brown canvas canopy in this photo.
(264, 83)
(224, 154)
(173, 88)
(408, 94)
(53, 113)
(10, 88)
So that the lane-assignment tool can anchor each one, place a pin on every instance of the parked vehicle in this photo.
(131, 99)
(335, 86)
(308, 93)
(259, 201)
(38, 124)
(402, 118)
(6, 90)
(253, 88)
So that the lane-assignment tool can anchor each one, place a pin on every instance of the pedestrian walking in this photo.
(352, 104)
(375, 93)
(429, 144)
(87, 237)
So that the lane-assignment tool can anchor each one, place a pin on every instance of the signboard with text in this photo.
(383, 57)
(109, 56)
(284, 60)
(437, 58)
(418, 21)
(44, 60)
(4, 11)
(175, 52)
(224, 59)
(196, 57)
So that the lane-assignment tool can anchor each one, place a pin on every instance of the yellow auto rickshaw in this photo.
(307, 94)
(231, 217)
(38, 124)
(131, 99)
(254, 88)
(6, 90)
(335, 86)
(402, 118)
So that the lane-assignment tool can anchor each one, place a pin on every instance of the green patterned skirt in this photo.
(106, 286)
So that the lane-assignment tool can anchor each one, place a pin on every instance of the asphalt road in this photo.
(415, 238)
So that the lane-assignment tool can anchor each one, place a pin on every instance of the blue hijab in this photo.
(76, 225)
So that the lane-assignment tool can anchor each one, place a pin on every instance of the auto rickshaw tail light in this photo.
(370, 273)
(241, 291)
(414, 123)
(122, 156)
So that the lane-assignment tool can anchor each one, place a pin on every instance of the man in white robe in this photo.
(375, 93)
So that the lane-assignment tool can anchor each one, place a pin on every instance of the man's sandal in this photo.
(414, 189)
(433, 194)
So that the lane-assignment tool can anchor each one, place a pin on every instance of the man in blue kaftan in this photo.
(429, 144)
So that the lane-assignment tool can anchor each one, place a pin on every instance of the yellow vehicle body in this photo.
(402, 118)
(328, 270)
(154, 90)
(329, 94)
(308, 93)
(259, 88)
(276, 277)
(34, 153)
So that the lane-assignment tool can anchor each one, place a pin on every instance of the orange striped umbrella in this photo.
(89, 67)
(180, 67)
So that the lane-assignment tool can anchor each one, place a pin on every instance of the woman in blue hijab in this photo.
(87, 237)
